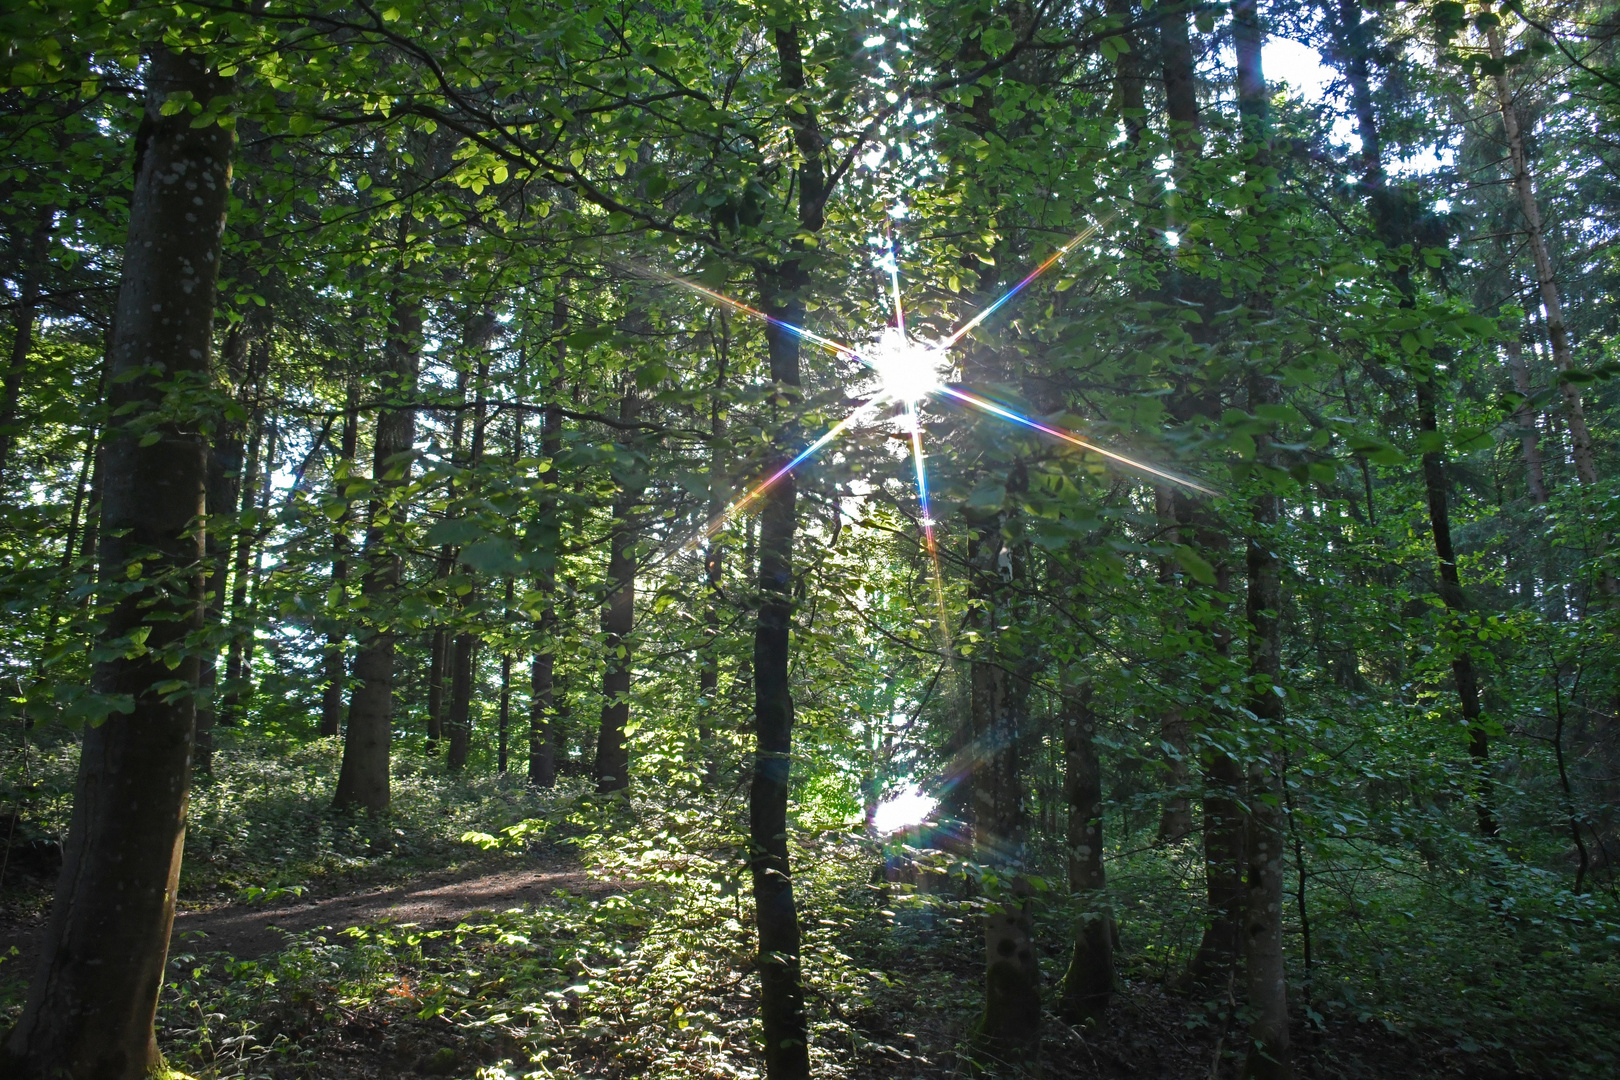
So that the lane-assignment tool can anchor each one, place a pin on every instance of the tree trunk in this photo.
(22, 340)
(781, 986)
(224, 483)
(1089, 983)
(1269, 1056)
(91, 1005)
(787, 1034)
(714, 565)
(619, 619)
(442, 652)
(465, 666)
(1551, 303)
(254, 491)
(1437, 489)
(332, 693)
(545, 728)
(1010, 1028)
(1388, 218)
(363, 778)
(1525, 417)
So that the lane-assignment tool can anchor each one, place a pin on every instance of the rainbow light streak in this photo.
(1052, 261)
(898, 363)
(763, 486)
(1069, 437)
(836, 347)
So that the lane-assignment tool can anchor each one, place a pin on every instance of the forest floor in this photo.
(504, 934)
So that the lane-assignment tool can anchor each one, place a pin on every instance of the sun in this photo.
(908, 371)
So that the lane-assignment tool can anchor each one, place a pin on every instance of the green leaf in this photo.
(1198, 568)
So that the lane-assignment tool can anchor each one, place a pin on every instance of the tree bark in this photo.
(1009, 1030)
(260, 461)
(1270, 1056)
(1437, 489)
(91, 1004)
(714, 565)
(333, 661)
(363, 777)
(22, 339)
(1089, 983)
(1525, 417)
(619, 618)
(1551, 303)
(545, 728)
(468, 641)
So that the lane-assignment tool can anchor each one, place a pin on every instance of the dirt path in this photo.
(248, 932)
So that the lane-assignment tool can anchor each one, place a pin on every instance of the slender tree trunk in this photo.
(714, 565)
(504, 720)
(1270, 1056)
(102, 961)
(442, 651)
(363, 778)
(1525, 417)
(1551, 303)
(1388, 217)
(224, 482)
(1009, 1029)
(467, 642)
(1437, 488)
(787, 1035)
(241, 565)
(1175, 821)
(22, 339)
(618, 620)
(1089, 983)
(545, 728)
(337, 636)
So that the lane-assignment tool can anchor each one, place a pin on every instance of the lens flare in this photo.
(909, 372)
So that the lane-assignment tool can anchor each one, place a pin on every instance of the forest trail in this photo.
(249, 931)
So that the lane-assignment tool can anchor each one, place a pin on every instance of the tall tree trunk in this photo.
(91, 1005)
(333, 661)
(1438, 491)
(714, 563)
(545, 725)
(1010, 1027)
(787, 1033)
(224, 483)
(442, 651)
(1269, 1056)
(467, 642)
(22, 332)
(363, 778)
(260, 462)
(1525, 417)
(619, 618)
(1551, 303)
(1389, 218)
(1089, 983)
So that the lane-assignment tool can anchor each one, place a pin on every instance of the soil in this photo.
(249, 931)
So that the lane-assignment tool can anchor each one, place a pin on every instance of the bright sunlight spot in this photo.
(908, 370)
(909, 807)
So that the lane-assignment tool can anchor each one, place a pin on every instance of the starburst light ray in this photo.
(919, 459)
(837, 348)
(1069, 437)
(1052, 260)
(764, 485)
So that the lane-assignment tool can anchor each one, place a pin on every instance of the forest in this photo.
(809, 538)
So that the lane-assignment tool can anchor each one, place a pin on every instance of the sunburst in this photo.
(911, 371)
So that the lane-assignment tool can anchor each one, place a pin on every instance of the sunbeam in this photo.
(909, 372)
